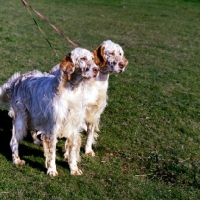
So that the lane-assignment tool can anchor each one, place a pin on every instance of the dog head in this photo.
(81, 61)
(110, 57)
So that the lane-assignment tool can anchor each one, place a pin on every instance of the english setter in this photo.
(51, 104)
(110, 57)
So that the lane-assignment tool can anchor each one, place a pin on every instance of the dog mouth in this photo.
(116, 71)
(87, 77)
(94, 76)
(120, 71)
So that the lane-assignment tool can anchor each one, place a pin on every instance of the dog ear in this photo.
(99, 57)
(125, 61)
(67, 66)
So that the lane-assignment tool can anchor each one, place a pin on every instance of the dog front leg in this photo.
(49, 145)
(74, 150)
(90, 140)
(67, 147)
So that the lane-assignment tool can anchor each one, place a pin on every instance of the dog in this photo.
(109, 56)
(52, 105)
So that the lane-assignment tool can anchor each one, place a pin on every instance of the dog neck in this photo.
(66, 79)
(76, 78)
(103, 76)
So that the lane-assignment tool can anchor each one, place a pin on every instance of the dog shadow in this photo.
(6, 134)
(24, 149)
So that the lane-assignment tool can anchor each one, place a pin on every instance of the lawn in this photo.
(149, 143)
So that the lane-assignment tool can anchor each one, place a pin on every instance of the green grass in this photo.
(149, 144)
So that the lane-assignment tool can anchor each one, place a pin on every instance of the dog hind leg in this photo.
(35, 138)
(18, 132)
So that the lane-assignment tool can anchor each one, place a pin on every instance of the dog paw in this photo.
(90, 153)
(19, 162)
(76, 172)
(66, 155)
(38, 143)
(52, 173)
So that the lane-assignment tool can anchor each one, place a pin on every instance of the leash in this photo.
(27, 5)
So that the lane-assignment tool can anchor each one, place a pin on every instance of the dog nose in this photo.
(95, 70)
(121, 65)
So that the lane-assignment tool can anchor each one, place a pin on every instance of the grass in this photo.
(149, 142)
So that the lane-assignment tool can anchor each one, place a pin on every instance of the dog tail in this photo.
(5, 90)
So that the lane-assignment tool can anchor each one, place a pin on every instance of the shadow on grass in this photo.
(24, 150)
(6, 133)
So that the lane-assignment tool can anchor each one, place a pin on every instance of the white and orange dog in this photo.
(51, 104)
(109, 56)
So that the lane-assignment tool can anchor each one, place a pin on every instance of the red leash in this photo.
(54, 27)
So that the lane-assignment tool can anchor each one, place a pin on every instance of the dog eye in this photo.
(84, 58)
(120, 54)
(112, 53)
